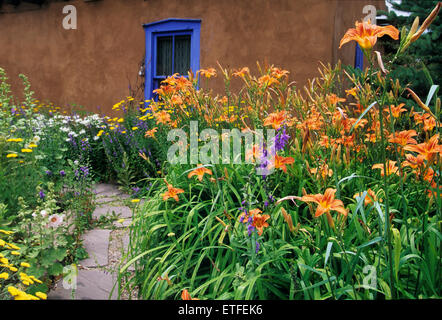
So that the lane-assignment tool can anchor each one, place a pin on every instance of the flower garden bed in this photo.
(344, 202)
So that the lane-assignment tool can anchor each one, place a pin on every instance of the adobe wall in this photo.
(94, 65)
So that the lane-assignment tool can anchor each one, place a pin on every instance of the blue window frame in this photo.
(172, 46)
(359, 57)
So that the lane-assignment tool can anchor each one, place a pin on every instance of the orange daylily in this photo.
(370, 196)
(241, 73)
(162, 117)
(326, 202)
(280, 162)
(267, 80)
(244, 217)
(275, 119)
(185, 295)
(391, 168)
(151, 132)
(254, 153)
(208, 73)
(403, 138)
(176, 99)
(199, 172)
(427, 149)
(396, 110)
(366, 34)
(413, 162)
(352, 91)
(323, 170)
(278, 73)
(418, 118)
(429, 124)
(171, 192)
(259, 222)
(433, 192)
(334, 99)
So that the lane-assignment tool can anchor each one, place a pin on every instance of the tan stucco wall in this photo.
(93, 65)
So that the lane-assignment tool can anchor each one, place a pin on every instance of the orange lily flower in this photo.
(418, 118)
(280, 162)
(427, 149)
(352, 91)
(433, 193)
(241, 73)
(267, 80)
(185, 295)
(429, 124)
(370, 196)
(334, 99)
(162, 117)
(278, 73)
(176, 99)
(199, 172)
(391, 168)
(171, 192)
(275, 119)
(244, 217)
(259, 222)
(208, 73)
(403, 138)
(366, 34)
(326, 202)
(396, 110)
(412, 161)
(151, 132)
(370, 137)
(254, 153)
(324, 171)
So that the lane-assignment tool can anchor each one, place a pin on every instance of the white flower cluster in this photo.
(72, 126)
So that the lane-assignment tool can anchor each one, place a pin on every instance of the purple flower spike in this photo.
(250, 229)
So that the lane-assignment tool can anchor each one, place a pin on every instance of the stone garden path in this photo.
(97, 275)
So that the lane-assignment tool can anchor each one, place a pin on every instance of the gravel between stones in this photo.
(115, 255)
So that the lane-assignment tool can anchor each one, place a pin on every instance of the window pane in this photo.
(164, 56)
(182, 54)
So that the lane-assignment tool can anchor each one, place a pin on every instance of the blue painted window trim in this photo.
(166, 27)
(359, 57)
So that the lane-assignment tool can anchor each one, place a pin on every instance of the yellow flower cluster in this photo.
(25, 279)
(21, 295)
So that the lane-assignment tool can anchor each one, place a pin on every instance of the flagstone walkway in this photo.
(97, 275)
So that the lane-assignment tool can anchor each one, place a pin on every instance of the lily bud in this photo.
(406, 43)
(420, 103)
(427, 22)
(413, 27)
(381, 66)
(338, 154)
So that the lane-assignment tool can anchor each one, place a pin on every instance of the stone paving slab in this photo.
(91, 285)
(104, 188)
(126, 223)
(96, 243)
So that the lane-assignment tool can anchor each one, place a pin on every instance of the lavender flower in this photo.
(257, 247)
(42, 195)
(62, 173)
